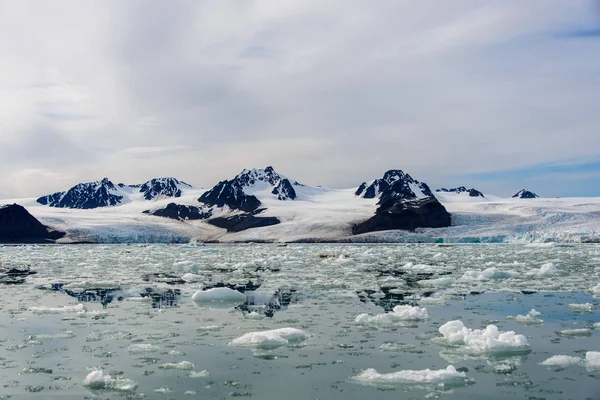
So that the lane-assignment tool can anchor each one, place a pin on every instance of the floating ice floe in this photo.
(448, 377)
(579, 332)
(596, 290)
(491, 273)
(270, 339)
(99, 381)
(190, 278)
(218, 296)
(442, 282)
(592, 360)
(399, 315)
(561, 361)
(530, 318)
(79, 308)
(199, 374)
(547, 269)
(586, 307)
(183, 365)
(138, 348)
(484, 341)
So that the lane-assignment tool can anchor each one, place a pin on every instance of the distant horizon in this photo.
(207, 187)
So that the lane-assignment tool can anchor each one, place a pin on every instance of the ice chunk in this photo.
(183, 365)
(270, 339)
(484, 341)
(530, 318)
(596, 290)
(100, 381)
(199, 374)
(446, 377)
(547, 269)
(587, 307)
(79, 308)
(580, 332)
(442, 282)
(400, 314)
(137, 348)
(561, 361)
(218, 296)
(489, 273)
(592, 360)
(189, 277)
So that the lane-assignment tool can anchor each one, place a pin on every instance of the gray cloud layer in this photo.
(330, 92)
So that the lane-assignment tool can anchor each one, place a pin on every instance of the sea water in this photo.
(315, 321)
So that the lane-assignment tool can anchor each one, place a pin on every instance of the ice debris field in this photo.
(302, 321)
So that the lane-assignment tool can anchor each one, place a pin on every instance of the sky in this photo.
(495, 94)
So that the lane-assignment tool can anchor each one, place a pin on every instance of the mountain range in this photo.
(262, 205)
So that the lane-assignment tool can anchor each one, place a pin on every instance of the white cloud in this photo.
(330, 92)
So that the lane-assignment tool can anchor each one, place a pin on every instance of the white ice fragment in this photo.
(530, 318)
(561, 361)
(400, 314)
(592, 360)
(489, 273)
(547, 269)
(580, 332)
(597, 325)
(442, 282)
(137, 348)
(100, 381)
(596, 290)
(448, 377)
(189, 277)
(270, 339)
(183, 365)
(58, 310)
(253, 315)
(199, 374)
(586, 307)
(216, 296)
(484, 341)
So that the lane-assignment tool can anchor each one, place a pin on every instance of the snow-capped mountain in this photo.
(461, 189)
(240, 193)
(163, 187)
(394, 184)
(85, 196)
(525, 194)
(404, 203)
(105, 193)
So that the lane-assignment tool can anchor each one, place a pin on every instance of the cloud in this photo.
(330, 92)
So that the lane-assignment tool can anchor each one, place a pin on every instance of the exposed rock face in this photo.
(240, 222)
(525, 194)
(104, 193)
(181, 212)
(461, 189)
(162, 187)
(394, 183)
(85, 196)
(404, 203)
(18, 226)
(237, 192)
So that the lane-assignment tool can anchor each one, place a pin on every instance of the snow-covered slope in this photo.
(317, 213)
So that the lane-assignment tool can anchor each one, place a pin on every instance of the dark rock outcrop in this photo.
(85, 196)
(18, 226)
(233, 193)
(404, 203)
(394, 183)
(104, 193)
(240, 222)
(406, 215)
(162, 187)
(461, 189)
(525, 194)
(181, 212)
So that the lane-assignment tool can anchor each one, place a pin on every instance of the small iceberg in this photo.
(270, 339)
(448, 377)
(400, 314)
(218, 296)
(484, 341)
(98, 380)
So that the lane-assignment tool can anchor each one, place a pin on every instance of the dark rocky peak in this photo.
(17, 225)
(162, 187)
(525, 194)
(395, 184)
(181, 212)
(85, 196)
(461, 189)
(237, 192)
